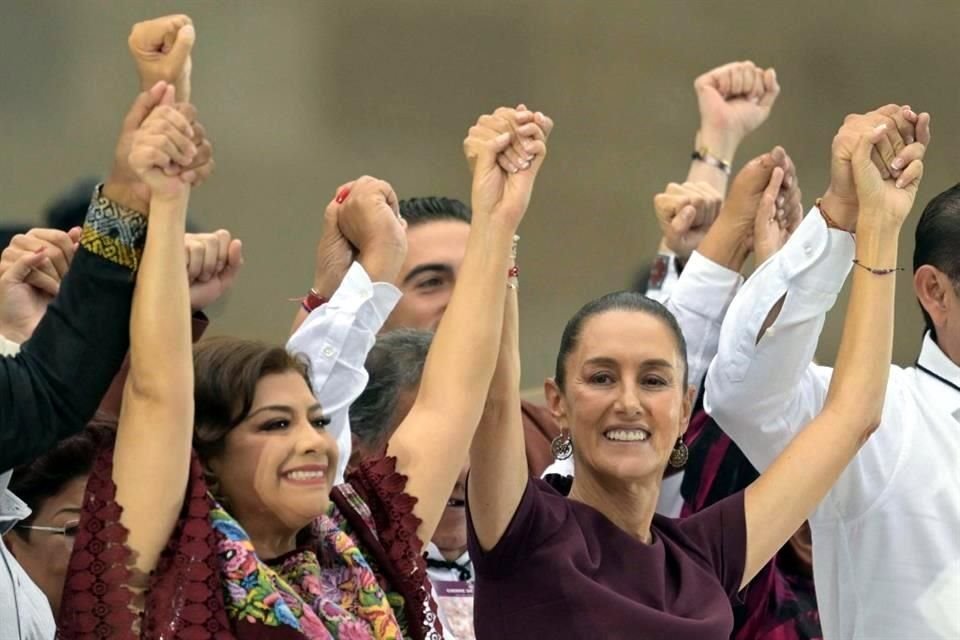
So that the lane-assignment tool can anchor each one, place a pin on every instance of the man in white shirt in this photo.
(887, 537)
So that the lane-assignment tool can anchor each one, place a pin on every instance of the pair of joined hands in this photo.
(505, 150)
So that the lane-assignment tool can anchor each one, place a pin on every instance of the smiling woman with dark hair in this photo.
(599, 563)
(216, 514)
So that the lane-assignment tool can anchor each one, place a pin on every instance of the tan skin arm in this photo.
(783, 497)
(434, 439)
(498, 456)
(157, 410)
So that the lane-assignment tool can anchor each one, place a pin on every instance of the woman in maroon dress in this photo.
(599, 563)
(247, 538)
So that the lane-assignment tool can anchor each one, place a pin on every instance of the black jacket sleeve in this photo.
(53, 387)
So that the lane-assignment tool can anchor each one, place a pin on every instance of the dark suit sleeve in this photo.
(53, 387)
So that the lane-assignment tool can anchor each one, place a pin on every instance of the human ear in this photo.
(555, 401)
(930, 285)
(689, 399)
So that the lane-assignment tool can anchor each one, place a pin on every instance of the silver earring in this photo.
(679, 455)
(562, 446)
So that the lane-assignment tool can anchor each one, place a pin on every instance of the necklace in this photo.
(950, 384)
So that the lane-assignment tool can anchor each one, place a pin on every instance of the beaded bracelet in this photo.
(876, 272)
(830, 223)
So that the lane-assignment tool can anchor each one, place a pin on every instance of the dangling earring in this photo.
(562, 446)
(679, 455)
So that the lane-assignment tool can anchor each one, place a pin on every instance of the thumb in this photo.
(20, 270)
(861, 158)
(182, 46)
(169, 95)
(682, 222)
(143, 105)
(487, 152)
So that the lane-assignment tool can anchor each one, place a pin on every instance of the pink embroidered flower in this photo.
(355, 630)
(312, 627)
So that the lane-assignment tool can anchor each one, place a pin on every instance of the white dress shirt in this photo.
(336, 338)
(698, 299)
(24, 609)
(890, 527)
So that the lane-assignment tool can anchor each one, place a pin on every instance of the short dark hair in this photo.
(226, 373)
(432, 209)
(71, 458)
(394, 364)
(938, 240)
(617, 301)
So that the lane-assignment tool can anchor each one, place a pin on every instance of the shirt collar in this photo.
(433, 552)
(936, 361)
(12, 508)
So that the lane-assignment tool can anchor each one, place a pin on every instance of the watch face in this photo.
(658, 272)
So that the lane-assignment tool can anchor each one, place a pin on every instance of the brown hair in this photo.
(226, 373)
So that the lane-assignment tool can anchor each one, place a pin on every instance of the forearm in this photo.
(813, 462)
(161, 360)
(464, 352)
(63, 371)
(434, 439)
(859, 381)
(498, 460)
(336, 339)
(699, 300)
(157, 409)
(725, 245)
(719, 144)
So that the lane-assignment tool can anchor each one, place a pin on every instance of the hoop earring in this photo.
(679, 455)
(562, 446)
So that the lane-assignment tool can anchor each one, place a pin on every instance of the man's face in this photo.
(435, 253)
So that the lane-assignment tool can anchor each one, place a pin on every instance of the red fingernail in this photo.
(342, 195)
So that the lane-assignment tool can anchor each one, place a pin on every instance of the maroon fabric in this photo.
(391, 545)
(184, 597)
(563, 570)
(780, 602)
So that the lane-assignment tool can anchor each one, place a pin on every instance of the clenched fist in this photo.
(734, 100)
(161, 50)
(685, 213)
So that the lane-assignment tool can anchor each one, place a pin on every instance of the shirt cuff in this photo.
(817, 259)
(706, 282)
(8, 347)
(114, 232)
(357, 288)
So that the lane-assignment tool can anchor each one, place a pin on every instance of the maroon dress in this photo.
(563, 570)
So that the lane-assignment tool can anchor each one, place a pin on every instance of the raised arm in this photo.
(762, 388)
(337, 336)
(498, 457)
(157, 410)
(434, 439)
(787, 493)
(84, 327)
(734, 100)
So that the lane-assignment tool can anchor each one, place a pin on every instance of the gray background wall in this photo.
(301, 96)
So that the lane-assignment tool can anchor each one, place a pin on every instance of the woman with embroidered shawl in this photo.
(241, 535)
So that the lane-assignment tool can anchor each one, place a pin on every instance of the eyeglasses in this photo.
(68, 530)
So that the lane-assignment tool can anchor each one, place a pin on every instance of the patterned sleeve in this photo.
(52, 388)
(114, 232)
(374, 499)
